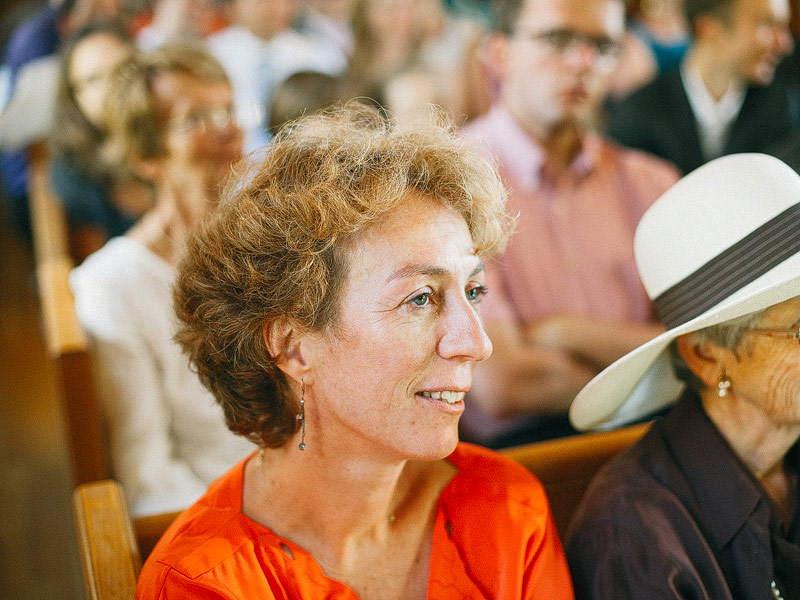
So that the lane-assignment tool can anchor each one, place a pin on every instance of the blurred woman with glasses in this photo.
(170, 122)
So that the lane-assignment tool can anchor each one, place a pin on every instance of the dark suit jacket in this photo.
(658, 118)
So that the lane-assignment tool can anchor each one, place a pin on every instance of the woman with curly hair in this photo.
(331, 304)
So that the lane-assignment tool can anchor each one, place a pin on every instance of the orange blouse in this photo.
(493, 537)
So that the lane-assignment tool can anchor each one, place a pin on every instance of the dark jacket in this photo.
(679, 516)
(658, 118)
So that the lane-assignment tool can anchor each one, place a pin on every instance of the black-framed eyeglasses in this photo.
(565, 40)
(791, 333)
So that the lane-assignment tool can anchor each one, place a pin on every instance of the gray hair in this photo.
(725, 335)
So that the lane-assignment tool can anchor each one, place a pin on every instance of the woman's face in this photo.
(201, 136)
(391, 375)
(767, 372)
(92, 61)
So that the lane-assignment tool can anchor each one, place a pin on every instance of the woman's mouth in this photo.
(449, 397)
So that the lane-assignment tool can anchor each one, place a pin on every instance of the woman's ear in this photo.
(285, 345)
(705, 359)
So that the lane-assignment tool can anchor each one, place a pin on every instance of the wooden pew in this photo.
(565, 466)
(111, 545)
(65, 339)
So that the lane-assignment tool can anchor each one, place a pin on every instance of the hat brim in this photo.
(642, 382)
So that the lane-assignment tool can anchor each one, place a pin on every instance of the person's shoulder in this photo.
(628, 493)
(478, 128)
(121, 262)
(496, 135)
(233, 40)
(642, 164)
(35, 35)
(654, 90)
(118, 277)
(207, 534)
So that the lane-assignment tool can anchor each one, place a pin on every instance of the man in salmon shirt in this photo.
(565, 300)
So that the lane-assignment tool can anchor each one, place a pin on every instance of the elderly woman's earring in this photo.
(723, 385)
(302, 416)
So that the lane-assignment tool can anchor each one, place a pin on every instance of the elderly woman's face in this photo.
(392, 374)
(767, 371)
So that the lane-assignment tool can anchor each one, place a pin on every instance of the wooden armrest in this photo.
(108, 548)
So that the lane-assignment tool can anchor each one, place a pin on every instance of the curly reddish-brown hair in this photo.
(277, 246)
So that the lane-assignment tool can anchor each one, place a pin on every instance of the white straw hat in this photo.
(723, 242)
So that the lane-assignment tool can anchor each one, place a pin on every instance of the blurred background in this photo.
(37, 540)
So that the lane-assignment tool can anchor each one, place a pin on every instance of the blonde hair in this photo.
(277, 245)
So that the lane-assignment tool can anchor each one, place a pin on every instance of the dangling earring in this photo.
(302, 416)
(723, 385)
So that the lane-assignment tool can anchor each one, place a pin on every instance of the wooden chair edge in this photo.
(586, 452)
(108, 549)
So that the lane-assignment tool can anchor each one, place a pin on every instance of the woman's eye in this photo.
(421, 300)
(474, 294)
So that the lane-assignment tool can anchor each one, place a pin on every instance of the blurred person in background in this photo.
(387, 39)
(181, 20)
(259, 50)
(565, 300)
(98, 204)
(37, 37)
(330, 22)
(722, 99)
(443, 69)
(304, 93)
(170, 119)
(656, 39)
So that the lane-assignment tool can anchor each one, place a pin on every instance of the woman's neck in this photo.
(759, 442)
(161, 232)
(351, 514)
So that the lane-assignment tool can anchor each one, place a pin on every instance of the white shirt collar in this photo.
(713, 118)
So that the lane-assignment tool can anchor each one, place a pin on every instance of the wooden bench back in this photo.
(65, 339)
(566, 466)
(112, 546)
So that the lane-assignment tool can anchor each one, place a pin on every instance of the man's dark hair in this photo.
(720, 9)
(505, 14)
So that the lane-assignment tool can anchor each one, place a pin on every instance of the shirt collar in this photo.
(525, 158)
(726, 492)
(714, 117)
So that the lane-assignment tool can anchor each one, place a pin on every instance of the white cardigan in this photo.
(167, 433)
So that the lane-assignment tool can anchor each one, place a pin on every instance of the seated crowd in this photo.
(299, 226)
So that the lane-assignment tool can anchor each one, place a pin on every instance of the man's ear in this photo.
(285, 345)
(704, 359)
(495, 54)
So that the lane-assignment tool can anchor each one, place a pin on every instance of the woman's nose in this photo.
(463, 334)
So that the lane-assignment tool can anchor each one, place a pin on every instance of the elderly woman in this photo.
(706, 504)
(331, 305)
(170, 121)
